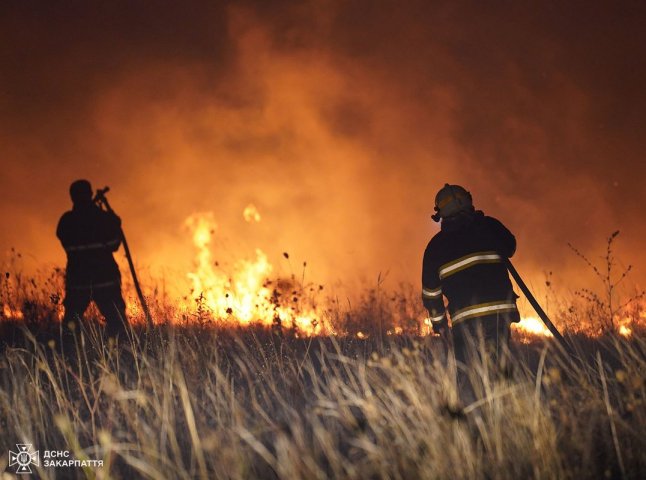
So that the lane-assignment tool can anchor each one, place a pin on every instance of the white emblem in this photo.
(24, 458)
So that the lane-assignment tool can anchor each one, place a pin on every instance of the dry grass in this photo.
(200, 400)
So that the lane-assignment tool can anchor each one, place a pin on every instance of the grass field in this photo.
(201, 400)
(376, 397)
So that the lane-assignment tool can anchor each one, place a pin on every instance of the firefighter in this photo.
(89, 236)
(464, 264)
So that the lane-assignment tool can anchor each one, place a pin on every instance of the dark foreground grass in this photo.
(208, 402)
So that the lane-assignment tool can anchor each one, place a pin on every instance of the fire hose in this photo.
(539, 310)
(101, 200)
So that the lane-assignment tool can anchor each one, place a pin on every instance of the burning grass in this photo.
(259, 377)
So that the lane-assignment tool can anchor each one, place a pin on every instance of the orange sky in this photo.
(338, 120)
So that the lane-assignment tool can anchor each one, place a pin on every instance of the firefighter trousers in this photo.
(107, 298)
(481, 347)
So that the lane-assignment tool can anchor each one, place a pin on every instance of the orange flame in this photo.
(246, 296)
(10, 313)
(625, 325)
(533, 326)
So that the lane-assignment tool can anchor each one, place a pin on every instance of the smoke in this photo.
(338, 120)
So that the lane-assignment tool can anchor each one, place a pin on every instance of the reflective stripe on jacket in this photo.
(465, 265)
(109, 245)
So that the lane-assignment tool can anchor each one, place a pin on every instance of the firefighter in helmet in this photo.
(464, 262)
(89, 236)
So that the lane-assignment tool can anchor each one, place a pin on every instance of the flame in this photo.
(10, 313)
(248, 295)
(533, 326)
(251, 213)
(625, 325)
(625, 331)
(395, 331)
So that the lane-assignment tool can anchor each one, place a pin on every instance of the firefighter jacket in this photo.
(464, 263)
(89, 235)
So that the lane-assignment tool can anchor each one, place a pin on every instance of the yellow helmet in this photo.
(451, 200)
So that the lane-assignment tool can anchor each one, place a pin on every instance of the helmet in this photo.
(451, 200)
(81, 191)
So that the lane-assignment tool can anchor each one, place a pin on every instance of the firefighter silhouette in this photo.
(464, 262)
(89, 236)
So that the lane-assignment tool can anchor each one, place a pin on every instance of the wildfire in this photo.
(248, 295)
(533, 326)
(625, 331)
(249, 291)
(10, 313)
(395, 331)
(625, 324)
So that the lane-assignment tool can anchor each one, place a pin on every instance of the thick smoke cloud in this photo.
(338, 120)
